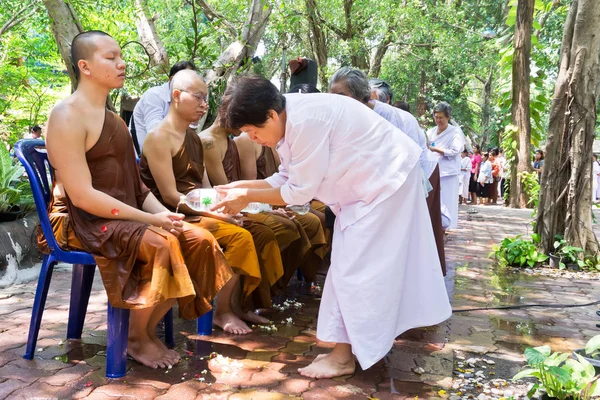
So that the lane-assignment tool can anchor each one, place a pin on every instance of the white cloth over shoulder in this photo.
(152, 108)
(385, 276)
(408, 124)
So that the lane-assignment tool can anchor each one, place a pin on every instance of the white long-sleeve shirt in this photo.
(152, 108)
(338, 151)
(452, 140)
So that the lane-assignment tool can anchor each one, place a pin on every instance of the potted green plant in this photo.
(565, 256)
(559, 376)
(591, 352)
(519, 252)
(15, 194)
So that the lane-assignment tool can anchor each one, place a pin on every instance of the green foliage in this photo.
(560, 375)
(531, 184)
(592, 347)
(14, 190)
(568, 254)
(518, 252)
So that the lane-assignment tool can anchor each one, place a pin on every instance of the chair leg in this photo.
(81, 287)
(38, 304)
(204, 323)
(116, 342)
(169, 336)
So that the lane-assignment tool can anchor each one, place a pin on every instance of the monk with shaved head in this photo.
(172, 165)
(148, 257)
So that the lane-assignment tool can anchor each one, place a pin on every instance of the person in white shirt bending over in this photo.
(384, 279)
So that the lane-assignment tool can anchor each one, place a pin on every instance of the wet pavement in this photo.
(424, 363)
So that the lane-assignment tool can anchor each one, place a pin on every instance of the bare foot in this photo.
(148, 353)
(254, 318)
(229, 322)
(172, 355)
(328, 367)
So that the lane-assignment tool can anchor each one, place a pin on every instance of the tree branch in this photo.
(15, 20)
(213, 14)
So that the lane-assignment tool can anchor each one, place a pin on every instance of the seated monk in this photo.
(260, 162)
(148, 257)
(172, 165)
(223, 166)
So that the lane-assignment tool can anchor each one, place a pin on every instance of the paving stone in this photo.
(124, 389)
(185, 390)
(11, 385)
(67, 375)
(29, 375)
(265, 379)
(252, 394)
(293, 385)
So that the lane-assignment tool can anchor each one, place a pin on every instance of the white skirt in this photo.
(449, 197)
(385, 276)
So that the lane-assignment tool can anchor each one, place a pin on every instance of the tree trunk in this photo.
(380, 53)
(318, 42)
(65, 26)
(486, 108)
(565, 194)
(520, 101)
(422, 96)
(238, 52)
(149, 37)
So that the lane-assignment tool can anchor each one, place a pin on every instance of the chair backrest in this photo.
(33, 156)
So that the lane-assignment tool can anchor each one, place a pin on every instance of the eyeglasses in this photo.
(201, 99)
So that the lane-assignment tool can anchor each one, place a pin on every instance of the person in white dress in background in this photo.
(465, 176)
(595, 178)
(384, 277)
(448, 141)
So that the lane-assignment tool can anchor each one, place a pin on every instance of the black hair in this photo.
(247, 101)
(402, 105)
(180, 66)
(81, 47)
(494, 152)
(304, 88)
(36, 128)
(541, 153)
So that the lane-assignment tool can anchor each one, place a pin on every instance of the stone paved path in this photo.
(263, 365)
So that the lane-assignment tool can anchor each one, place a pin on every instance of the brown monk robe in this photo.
(223, 166)
(435, 214)
(141, 265)
(241, 248)
(310, 226)
(292, 254)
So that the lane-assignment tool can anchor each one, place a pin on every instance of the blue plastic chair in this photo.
(32, 154)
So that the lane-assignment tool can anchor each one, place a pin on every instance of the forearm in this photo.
(251, 184)
(264, 195)
(152, 205)
(104, 206)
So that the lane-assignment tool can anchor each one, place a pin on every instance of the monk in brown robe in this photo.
(171, 166)
(260, 162)
(148, 257)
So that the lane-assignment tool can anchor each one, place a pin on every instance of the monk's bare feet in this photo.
(328, 366)
(172, 355)
(230, 323)
(148, 353)
(254, 318)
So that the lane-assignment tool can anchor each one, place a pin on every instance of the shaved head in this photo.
(186, 79)
(84, 46)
